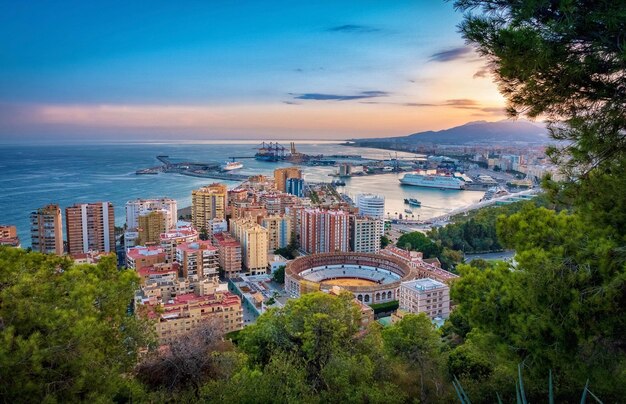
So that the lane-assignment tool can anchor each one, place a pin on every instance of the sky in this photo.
(130, 70)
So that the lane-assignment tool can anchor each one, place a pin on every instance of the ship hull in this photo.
(436, 183)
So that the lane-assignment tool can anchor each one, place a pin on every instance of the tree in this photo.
(66, 332)
(279, 275)
(418, 241)
(384, 241)
(563, 60)
(415, 339)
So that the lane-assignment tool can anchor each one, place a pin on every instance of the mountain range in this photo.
(478, 132)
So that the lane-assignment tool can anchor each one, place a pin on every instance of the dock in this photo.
(192, 169)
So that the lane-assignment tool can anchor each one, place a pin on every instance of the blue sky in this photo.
(246, 69)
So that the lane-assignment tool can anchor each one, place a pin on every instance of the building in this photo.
(198, 260)
(215, 226)
(426, 268)
(229, 254)
(281, 175)
(140, 207)
(254, 244)
(278, 231)
(151, 226)
(425, 295)
(170, 239)
(371, 205)
(208, 203)
(8, 236)
(324, 231)
(295, 186)
(46, 230)
(90, 227)
(365, 234)
(183, 313)
(141, 257)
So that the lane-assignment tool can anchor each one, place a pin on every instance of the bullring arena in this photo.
(372, 278)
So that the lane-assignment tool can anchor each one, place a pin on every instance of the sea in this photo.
(32, 176)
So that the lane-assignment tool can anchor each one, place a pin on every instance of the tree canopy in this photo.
(65, 329)
(562, 60)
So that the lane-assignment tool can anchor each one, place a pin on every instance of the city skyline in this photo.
(261, 70)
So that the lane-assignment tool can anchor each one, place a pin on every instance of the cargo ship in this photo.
(231, 165)
(432, 181)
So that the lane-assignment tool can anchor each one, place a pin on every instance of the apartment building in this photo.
(8, 236)
(198, 260)
(425, 295)
(365, 234)
(46, 230)
(371, 205)
(278, 231)
(282, 174)
(142, 257)
(229, 254)
(324, 231)
(90, 227)
(254, 244)
(208, 203)
(170, 239)
(150, 226)
(140, 207)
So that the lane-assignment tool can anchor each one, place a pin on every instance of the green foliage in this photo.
(279, 275)
(289, 252)
(385, 307)
(561, 60)
(384, 241)
(476, 232)
(418, 241)
(66, 334)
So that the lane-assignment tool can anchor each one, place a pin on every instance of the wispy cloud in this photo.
(339, 97)
(354, 29)
(449, 55)
(482, 73)
(461, 103)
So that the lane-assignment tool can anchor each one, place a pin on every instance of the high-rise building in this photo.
(371, 205)
(151, 226)
(198, 260)
(425, 295)
(208, 203)
(365, 234)
(8, 236)
(229, 252)
(295, 186)
(46, 230)
(141, 207)
(324, 231)
(90, 227)
(278, 230)
(282, 174)
(253, 239)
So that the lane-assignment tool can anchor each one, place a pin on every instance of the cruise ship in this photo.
(231, 165)
(432, 181)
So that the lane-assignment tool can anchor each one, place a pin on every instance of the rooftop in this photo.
(423, 284)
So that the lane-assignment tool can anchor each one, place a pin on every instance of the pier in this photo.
(192, 169)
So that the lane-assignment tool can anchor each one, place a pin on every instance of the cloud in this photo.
(494, 110)
(291, 103)
(339, 97)
(450, 54)
(354, 29)
(461, 103)
(482, 73)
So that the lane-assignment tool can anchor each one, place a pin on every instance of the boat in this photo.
(338, 183)
(432, 181)
(409, 211)
(231, 165)
(414, 202)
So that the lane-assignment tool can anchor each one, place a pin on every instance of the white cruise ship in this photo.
(432, 181)
(231, 165)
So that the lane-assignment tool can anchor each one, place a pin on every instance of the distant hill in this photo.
(479, 132)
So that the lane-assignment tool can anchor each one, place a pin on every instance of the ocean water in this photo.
(33, 176)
